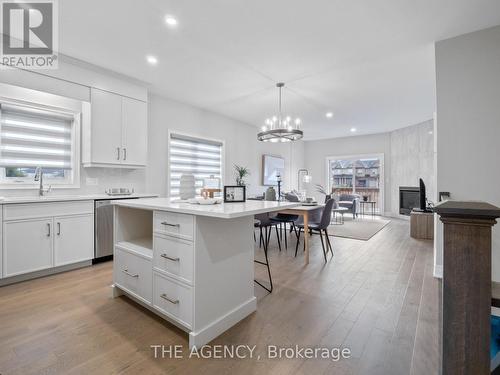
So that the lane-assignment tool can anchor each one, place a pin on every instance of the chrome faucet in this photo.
(39, 177)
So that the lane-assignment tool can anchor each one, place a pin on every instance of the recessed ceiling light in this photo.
(329, 114)
(151, 59)
(170, 20)
(353, 130)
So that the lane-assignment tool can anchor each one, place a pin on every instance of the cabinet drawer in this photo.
(133, 273)
(173, 299)
(174, 256)
(174, 224)
(19, 211)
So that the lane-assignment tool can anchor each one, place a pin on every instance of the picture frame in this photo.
(234, 194)
(273, 167)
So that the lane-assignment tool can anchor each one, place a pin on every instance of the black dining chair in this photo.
(321, 226)
(284, 219)
(265, 225)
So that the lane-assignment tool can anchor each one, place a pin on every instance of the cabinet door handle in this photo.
(164, 296)
(48, 229)
(130, 274)
(170, 258)
(124, 153)
(58, 229)
(170, 224)
(118, 153)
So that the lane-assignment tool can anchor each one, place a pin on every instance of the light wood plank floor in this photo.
(377, 298)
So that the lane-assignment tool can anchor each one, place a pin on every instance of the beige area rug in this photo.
(359, 229)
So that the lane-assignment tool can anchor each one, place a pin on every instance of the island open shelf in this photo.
(133, 230)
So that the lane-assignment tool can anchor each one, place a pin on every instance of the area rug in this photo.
(359, 229)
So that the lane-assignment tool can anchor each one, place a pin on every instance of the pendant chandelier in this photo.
(280, 128)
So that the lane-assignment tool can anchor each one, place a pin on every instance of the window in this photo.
(189, 155)
(360, 175)
(33, 137)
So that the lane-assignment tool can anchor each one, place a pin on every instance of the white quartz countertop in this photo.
(221, 210)
(63, 198)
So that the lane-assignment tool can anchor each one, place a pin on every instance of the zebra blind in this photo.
(32, 138)
(202, 158)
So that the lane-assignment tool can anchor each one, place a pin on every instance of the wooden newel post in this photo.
(466, 286)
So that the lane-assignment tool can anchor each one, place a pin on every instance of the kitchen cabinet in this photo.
(45, 235)
(105, 142)
(117, 133)
(27, 246)
(134, 132)
(72, 240)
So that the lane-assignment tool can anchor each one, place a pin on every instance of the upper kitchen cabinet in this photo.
(116, 135)
(134, 132)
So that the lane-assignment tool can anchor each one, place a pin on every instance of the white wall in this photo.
(408, 156)
(74, 82)
(412, 157)
(468, 122)
(241, 145)
(316, 153)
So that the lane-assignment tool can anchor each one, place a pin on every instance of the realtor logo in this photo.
(29, 34)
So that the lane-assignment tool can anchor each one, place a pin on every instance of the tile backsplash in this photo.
(94, 181)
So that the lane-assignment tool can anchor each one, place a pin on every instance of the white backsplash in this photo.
(106, 178)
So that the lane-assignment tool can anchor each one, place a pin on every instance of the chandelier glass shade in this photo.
(280, 128)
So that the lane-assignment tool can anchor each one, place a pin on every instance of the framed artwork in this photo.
(272, 167)
(234, 194)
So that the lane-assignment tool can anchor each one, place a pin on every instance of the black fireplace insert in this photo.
(409, 198)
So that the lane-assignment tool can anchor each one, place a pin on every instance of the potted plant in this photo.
(241, 173)
(320, 189)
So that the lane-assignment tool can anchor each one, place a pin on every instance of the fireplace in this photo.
(409, 198)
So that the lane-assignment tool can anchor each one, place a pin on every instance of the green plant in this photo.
(241, 173)
(321, 189)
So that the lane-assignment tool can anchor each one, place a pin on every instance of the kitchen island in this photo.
(193, 265)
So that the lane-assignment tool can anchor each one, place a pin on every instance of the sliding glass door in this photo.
(361, 175)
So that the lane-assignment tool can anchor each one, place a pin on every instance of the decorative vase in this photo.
(270, 194)
(187, 188)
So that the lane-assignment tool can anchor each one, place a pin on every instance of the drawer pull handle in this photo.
(170, 258)
(170, 224)
(130, 274)
(164, 296)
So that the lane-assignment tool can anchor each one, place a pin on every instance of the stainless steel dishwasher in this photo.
(103, 248)
(103, 229)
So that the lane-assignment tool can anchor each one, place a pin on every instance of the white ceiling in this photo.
(370, 62)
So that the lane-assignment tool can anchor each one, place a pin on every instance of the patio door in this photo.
(358, 174)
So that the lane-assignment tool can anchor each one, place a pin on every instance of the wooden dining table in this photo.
(304, 212)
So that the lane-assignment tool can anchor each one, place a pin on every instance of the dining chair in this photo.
(320, 226)
(284, 219)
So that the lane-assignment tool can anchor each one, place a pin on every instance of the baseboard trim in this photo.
(43, 273)
(438, 271)
(217, 327)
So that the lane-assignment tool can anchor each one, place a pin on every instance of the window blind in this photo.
(32, 138)
(202, 158)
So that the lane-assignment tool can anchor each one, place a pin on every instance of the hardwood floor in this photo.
(377, 298)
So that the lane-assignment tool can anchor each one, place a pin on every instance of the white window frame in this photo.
(11, 95)
(380, 156)
(202, 138)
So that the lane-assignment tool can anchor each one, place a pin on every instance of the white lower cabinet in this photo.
(27, 246)
(132, 273)
(73, 239)
(173, 299)
(44, 237)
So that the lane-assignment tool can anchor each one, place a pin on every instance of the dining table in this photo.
(304, 211)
